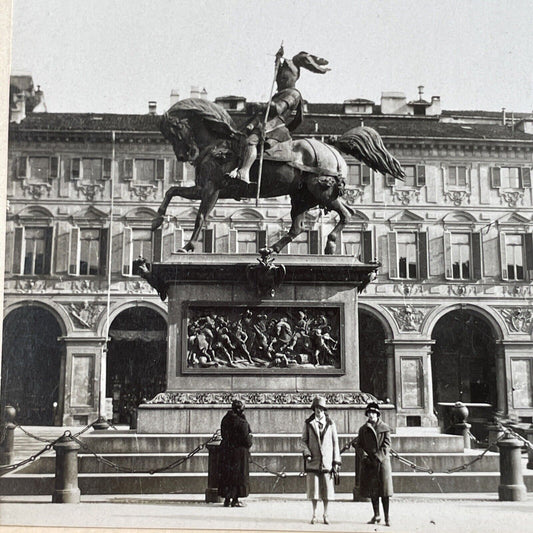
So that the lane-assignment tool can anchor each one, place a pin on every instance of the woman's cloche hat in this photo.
(319, 401)
(372, 407)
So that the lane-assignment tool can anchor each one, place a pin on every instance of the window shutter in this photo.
(127, 259)
(157, 246)
(365, 178)
(448, 273)
(104, 236)
(75, 168)
(54, 167)
(528, 239)
(389, 180)
(74, 252)
(503, 257)
(393, 256)
(495, 177)
(313, 242)
(261, 239)
(106, 174)
(49, 237)
(22, 167)
(525, 177)
(476, 256)
(232, 242)
(367, 246)
(178, 239)
(422, 250)
(18, 251)
(177, 170)
(420, 175)
(160, 169)
(127, 169)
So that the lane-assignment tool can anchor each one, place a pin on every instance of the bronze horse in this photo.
(204, 134)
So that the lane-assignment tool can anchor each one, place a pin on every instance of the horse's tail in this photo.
(366, 145)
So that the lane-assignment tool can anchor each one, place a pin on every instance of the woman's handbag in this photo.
(336, 477)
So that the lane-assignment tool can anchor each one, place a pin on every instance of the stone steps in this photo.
(290, 461)
(104, 442)
(260, 483)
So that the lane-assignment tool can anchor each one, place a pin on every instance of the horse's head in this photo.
(181, 136)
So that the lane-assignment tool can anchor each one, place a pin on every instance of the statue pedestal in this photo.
(231, 325)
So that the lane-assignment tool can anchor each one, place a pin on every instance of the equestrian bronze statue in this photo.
(311, 172)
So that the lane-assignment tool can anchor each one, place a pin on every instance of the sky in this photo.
(114, 56)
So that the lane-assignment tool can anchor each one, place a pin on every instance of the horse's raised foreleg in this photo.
(191, 193)
(209, 199)
(344, 212)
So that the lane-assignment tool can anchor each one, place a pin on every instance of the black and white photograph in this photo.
(267, 265)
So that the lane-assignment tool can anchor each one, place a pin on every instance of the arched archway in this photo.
(372, 356)
(31, 365)
(463, 359)
(136, 359)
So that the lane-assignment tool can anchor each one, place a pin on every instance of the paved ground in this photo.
(409, 513)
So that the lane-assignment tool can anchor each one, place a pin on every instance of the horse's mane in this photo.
(215, 117)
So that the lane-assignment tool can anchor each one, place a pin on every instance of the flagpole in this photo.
(263, 132)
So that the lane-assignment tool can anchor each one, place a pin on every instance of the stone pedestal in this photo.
(512, 487)
(225, 290)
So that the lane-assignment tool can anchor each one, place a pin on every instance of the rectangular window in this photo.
(300, 245)
(92, 169)
(461, 255)
(40, 169)
(514, 251)
(407, 254)
(457, 176)
(142, 245)
(510, 177)
(35, 250)
(247, 242)
(354, 175)
(410, 175)
(144, 170)
(89, 252)
(351, 244)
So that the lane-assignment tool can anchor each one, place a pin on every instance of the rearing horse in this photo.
(203, 134)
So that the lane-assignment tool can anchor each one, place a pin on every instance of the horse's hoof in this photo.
(157, 221)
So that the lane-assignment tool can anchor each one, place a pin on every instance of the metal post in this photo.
(211, 492)
(529, 437)
(66, 480)
(7, 443)
(511, 488)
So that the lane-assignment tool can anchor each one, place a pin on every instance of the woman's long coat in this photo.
(233, 459)
(323, 447)
(375, 473)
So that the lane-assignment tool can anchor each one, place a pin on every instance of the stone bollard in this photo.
(7, 454)
(460, 426)
(529, 437)
(211, 492)
(66, 481)
(511, 487)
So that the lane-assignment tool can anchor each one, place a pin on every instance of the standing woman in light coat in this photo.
(376, 475)
(322, 458)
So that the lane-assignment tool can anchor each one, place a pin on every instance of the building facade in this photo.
(449, 317)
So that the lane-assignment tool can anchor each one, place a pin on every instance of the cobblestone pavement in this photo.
(467, 513)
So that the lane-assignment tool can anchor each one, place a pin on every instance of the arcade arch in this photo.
(31, 364)
(136, 359)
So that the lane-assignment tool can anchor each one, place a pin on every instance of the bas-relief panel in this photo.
(279, 339)
(82, 380)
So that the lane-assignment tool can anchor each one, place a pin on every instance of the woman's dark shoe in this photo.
(387, 522)
(237, 503)
(226, 502)
(374, 520)
(326, 520)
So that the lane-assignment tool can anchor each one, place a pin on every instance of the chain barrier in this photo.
(128, 470)
(516, 435)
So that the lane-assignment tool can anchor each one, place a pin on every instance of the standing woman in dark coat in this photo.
(234, 453)
(376, 476)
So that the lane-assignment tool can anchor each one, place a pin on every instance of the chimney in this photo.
(195, 91)
(420, 92)
(174, 97)
(152, 107)
(40, 106)
(504, 118)
(18, 108)
(434, 109)
(203, 94)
